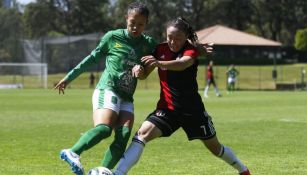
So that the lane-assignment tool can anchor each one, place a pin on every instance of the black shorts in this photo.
(196, 126)
(211, 81)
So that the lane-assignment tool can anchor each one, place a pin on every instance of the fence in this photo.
(289, 77)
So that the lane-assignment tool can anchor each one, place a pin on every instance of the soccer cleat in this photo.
(246, 172)
(73, 160)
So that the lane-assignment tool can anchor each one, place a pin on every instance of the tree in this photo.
(301, 40)
(83, 16)
(233, 13)
(10, 32)
(279, 20)
(69, 17)
(39, 19)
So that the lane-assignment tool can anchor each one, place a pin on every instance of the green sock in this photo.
(91, 138)
(117, 148)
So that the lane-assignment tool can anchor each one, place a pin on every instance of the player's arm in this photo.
(91, 59)
(142, 72)
(61, 85)
(175, 65)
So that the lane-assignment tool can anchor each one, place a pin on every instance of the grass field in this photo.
(267, 130)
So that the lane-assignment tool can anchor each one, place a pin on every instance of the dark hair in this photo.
(184, 26)
(139, 8)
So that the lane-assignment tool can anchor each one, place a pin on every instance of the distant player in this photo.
(113, 108)
(92, 80)
(232, 74)
(210, 80)
(180, 105)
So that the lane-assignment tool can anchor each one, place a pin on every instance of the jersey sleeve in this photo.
(191, 51)
(153, 44)
(91, 59)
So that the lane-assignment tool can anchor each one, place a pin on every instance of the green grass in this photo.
(267, 130)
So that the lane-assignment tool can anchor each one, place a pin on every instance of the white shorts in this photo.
(231, 80)
(108, 99)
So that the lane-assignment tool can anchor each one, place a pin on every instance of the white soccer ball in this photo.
(100, 171)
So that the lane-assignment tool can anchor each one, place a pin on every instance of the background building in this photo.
(234, 46)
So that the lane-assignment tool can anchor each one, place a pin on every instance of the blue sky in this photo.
(25, 1)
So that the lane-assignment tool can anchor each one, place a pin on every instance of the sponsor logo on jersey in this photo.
(117, 45)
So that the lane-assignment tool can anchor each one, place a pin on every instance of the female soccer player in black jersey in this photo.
(179, 105)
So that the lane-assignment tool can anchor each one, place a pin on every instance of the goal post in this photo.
(23, 75)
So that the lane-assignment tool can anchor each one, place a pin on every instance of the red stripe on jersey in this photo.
(192, 52)
(166, 96)
(165, 101)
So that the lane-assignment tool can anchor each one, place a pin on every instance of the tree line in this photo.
(278, 20)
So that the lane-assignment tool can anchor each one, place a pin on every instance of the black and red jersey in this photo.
(209, 72)
(179, 89)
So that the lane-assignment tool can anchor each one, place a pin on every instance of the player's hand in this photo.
(137, 71)
(208, 47)
(61, 86)
(150, 61)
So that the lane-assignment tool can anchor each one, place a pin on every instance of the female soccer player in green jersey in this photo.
(232, 74)
(113, 97)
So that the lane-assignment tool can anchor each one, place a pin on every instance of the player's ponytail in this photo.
(183, 25)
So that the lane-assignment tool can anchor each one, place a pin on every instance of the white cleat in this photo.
(73, 160)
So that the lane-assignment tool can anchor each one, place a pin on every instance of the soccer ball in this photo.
(100, 171)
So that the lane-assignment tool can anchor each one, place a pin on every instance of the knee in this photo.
(148, 134)
(103, 130)
(122, 136)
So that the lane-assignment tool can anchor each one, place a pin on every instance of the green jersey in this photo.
(232, 73)
(121, 52)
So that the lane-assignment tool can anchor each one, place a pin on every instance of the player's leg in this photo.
(234, 85)
(216, 90)
(207, 88)
(105, 106)
(147, 132)
(211, 142)
(200, 126)
(103, 122)
(228, 84)
(225, 153)
(121, 138)
(157, 124)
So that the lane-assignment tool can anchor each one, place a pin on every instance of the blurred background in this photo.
(41, 40)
